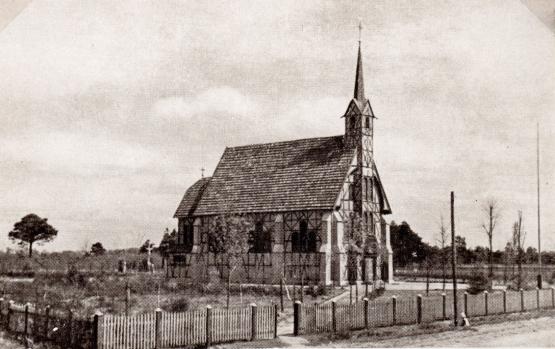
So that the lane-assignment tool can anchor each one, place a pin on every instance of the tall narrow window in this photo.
(367, 122)
(312, 243)
(260, 239)
(181, 232)
(303, 235)
(366, 188)
(189, 235)
(295, 242)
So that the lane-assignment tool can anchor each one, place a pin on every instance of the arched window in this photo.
(353, 123)
(261, 239)
(367, 122)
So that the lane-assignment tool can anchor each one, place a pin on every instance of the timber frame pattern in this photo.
(301, 197)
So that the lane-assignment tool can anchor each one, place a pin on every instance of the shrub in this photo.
(180, 304)
(376, 293)
(478, 282)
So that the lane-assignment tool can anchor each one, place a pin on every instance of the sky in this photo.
(109, 110)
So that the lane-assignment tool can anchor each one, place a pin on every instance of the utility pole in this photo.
(454, 258)
(538, 182)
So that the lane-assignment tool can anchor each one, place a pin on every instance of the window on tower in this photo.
(367, 188)
(367, 122)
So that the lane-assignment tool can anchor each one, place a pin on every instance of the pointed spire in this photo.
(359, 80)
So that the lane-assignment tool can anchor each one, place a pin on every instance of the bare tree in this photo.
(229, 236)
(518, 241)
(491, 209)
(442, 240)
(508, 258)
(355, 242)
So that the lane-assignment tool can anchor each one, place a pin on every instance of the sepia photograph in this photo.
(272, 174)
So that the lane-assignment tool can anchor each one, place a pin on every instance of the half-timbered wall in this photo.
(291, 250)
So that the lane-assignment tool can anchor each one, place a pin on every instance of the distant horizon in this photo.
(110, 110)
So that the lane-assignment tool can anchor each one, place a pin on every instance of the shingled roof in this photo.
(284, 176)
(191, 198)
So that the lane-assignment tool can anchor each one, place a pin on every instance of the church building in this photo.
(302, 198)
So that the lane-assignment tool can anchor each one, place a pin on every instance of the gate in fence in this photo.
(336, 317)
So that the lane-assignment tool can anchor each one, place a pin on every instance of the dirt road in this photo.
(539, 332)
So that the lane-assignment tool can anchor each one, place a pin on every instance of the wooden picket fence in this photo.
(144, 331)
(383, 312)
(197, 327)
(45, 324)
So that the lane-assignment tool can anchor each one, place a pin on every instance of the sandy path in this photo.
(539, 332)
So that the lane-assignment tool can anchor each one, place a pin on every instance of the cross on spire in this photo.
(359, 81)
(202, 172)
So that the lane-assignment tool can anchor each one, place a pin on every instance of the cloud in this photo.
(214, 100)
(75, 153)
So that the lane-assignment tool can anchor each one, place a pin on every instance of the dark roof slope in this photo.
(191, 198)
(284, 176)
(384, 203)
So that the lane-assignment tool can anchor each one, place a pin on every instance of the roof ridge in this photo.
(289, 141)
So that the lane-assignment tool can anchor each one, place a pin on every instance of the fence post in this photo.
(10, 303)
(254, 312)
(394, 309)
(333, 316)
(553, 296)
(276, 319)
(504, 301)
(281, 293)
(296, 318)
(486, 302)
(366, 309)
(419, 309)
(302, 287)
(70, 327)
(46, 321)
(127, 299)
(444, 306)
(208, 330)
(521, 299)
(157, 329)
(465, 305)
(26, 327)
(98, 331)
(1, 309)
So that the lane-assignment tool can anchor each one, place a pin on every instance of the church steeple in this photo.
(359, 115)
(359, 79)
